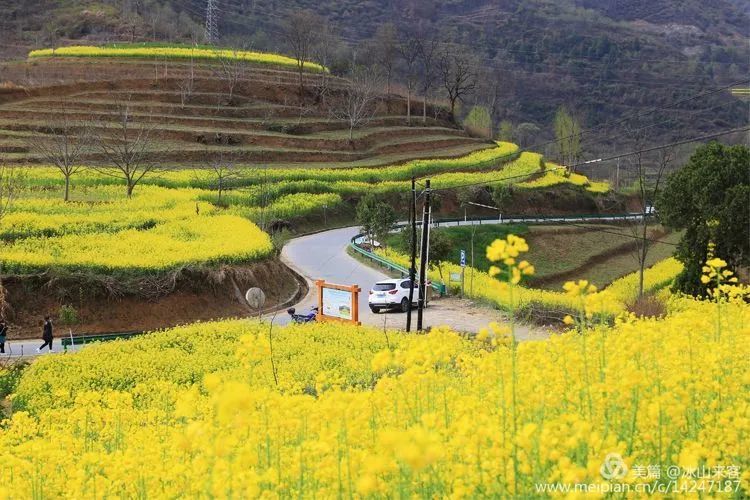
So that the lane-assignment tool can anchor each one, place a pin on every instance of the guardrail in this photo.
(436, 285)
(510, 219)
(70, 340)
(518, 219)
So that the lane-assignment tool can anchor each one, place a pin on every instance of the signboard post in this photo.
(338, 302)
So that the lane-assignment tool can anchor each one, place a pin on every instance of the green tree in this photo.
(478, 122)
(525, 134)
(441, 248)
(505, 131)
(375, 217)
(708, 198)
(501, 195)
(567, 137)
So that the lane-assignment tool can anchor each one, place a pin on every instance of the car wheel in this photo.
(375, 309)
(404, 304)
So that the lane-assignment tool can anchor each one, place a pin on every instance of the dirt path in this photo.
(464, 315)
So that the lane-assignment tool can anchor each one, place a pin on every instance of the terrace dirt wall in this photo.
(197, 296)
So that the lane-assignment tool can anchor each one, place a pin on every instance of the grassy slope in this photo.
(555, 249)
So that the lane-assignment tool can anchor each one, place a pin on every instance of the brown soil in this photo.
(266, 101)
(600, 258)
(215, 297)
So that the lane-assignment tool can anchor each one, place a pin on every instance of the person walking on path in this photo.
(3, 335)
(46, 334)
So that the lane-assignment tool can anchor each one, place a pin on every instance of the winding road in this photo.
(324, 256)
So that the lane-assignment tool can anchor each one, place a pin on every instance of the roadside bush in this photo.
(68, 315)
(10, 375)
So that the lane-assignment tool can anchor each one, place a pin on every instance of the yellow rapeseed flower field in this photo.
(162, 52)
(172, 219)
(611, 301)
(158, 229)
(195, 411)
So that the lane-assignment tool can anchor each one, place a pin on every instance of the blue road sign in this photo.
(463, 258)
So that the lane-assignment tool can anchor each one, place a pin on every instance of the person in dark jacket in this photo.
(3, 335)
(46, 334)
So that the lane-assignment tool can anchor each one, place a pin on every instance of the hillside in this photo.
(604, 59)
(260, 124)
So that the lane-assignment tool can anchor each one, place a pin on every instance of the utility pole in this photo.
(423, 255)
(413, 266)
(211, 28)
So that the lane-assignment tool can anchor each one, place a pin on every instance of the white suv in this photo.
(391, 294)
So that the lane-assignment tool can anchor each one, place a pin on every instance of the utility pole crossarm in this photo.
(483, 206)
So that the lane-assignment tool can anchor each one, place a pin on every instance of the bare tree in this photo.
(224, 174)
(428, 46)
(324, 50)
(408, 49)
(458, 76)
(231, 70)
(301, 30)
(648, 184)
(11, 181)
(384, 47)
(187, 85)
(358, 103)
(263, 195)
(126, 146)
(62, 145)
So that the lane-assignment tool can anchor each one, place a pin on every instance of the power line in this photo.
(656, 148)
(593, 140)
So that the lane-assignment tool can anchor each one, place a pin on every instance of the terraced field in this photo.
(261, 123)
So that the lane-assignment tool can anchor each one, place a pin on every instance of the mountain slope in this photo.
(603, 58)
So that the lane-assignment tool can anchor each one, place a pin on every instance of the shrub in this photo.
(68, 315)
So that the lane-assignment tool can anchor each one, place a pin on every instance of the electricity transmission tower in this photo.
(212, 28)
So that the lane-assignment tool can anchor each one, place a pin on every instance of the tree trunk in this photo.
(424, 110)
(301, 84)
(453, 109)
(131, 186)
(388, 93)
(67, 187)
(642, 259)
(408, 106)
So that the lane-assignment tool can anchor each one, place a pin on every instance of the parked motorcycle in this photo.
(303, 318)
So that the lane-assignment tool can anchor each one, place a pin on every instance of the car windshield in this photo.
(383, 287)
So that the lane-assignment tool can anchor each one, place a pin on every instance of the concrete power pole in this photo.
(424, 255)
(211, 29)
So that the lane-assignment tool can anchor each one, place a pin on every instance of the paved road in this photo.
(323, 256)
(27, 348)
